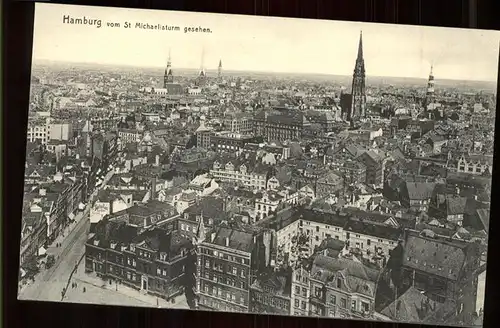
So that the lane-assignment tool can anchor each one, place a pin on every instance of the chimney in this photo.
(157, 160)
(43, 192)
(212, 237)
(111, 207)
(227, 241)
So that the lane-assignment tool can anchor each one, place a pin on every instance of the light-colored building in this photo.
(39, 130)
(253, 179)
(61, 131)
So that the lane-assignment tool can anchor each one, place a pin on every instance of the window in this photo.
(343, 303)
(158, 271)
(365, 306)
(333, 299)
(339, 283)
(235, 271)
(368, 242)
(353, 305)
(317, 291)
(304, 291)
(317, 229)
(303, 305)
(297, 290)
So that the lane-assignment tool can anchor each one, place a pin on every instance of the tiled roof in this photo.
(410, 307)
(239, 240)
(436, 256)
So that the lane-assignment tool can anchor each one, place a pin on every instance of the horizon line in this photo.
(34, 61)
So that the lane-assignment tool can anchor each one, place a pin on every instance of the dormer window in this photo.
(132, 248)
(112, 245)
(163, 256)
(96, 242)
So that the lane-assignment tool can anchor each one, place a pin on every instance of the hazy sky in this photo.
(264, 44)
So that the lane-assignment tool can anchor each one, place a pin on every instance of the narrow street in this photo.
(49, 283)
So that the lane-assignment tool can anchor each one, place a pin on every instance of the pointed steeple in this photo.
(360, 46)
(358, 105)
(219, 70)
(169, 75)
(202, 65)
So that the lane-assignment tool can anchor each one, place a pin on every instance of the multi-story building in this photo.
(203, 136)
(371, 240)
(300, 292)
(329, 184)
(375, 167)
(445, 269)
(39, 130)
(105, 123)
(152, 261)
(281, 127)
(239, 173)
(323, 118)
(353, 171)
(240, 123)
(280, 151)
(104, 147)
(341, 288)
(228, 262)
(416, 195)
(475, 164)
(229, 141)
(66, 196)
(33, 230)
(61, 131)
(129, 136)
(270, 293)
(318, 225)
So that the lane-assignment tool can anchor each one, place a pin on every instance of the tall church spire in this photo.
(201, 79)
(169, 75)
(219, 70)
(358, 106)
(429, 96)
(360, 46)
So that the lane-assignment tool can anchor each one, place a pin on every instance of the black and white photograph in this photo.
(267, 165)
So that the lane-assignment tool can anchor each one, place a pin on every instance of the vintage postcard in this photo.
(255, 164)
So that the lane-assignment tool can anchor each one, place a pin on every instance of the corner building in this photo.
(228, 263)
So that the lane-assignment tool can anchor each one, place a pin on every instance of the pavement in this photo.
(99, 291)
(49, 283)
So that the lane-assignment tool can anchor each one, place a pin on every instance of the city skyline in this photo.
(244, 51)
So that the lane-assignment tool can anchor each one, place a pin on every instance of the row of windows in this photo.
(273, 301)
(431, 265)
(229, 269)
(214, 304)
(224, 256)
(225, 280)
(225, 295)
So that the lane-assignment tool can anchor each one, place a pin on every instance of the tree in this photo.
(189, 279)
